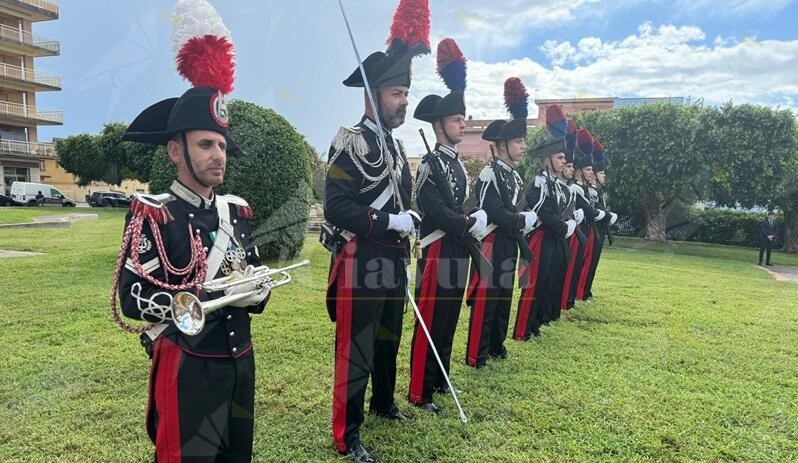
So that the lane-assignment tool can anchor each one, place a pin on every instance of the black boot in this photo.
(359, 454)
(393, 414)
(430, 408)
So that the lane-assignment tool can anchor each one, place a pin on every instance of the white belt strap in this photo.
(223, 236)
(215, 257)
(490, 229)
(431, 238)
(378, 204)
(383, 198)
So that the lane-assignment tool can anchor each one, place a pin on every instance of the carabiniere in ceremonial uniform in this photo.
(367, 188)
(448, 234)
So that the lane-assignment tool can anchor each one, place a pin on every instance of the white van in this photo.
(25, 194)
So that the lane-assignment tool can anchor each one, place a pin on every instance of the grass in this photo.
(687, 353)
(27, 214)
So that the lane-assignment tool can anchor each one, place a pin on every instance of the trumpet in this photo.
(188, 312)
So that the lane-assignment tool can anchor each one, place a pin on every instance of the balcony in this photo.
(39, 10)
(22, 42)
(27, 80)
(24, 115)
(28, 150)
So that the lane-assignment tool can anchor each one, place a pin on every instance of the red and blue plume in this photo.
(202, 46)
(410, 28)
(584, 140)
(598, 151)
(570, 136)
(516, 99)
(556, 122)
(451, 65)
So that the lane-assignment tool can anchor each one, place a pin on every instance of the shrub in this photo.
(274, 176)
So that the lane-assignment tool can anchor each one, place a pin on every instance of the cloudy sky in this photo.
(292, 55)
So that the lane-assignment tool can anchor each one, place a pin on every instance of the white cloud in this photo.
(655, 62)
(503, 23)
(731, 8)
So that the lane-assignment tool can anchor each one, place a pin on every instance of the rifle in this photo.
(568, 213)
(472, 244)
(523, 247)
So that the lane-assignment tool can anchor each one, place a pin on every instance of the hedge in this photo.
(720, 226)
(274, 177)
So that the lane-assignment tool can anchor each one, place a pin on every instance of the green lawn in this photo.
(687, 353)
(27, 214)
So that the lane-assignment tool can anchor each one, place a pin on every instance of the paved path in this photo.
(58, 221)
(5, 254)
(783, 272)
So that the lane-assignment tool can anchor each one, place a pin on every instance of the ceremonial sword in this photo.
(395, 185)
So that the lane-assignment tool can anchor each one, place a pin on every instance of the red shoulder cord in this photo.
(197, 265)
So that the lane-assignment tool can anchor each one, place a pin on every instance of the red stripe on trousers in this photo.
(479, 304)
(167, 437)
(531, 282)
(569, 274)
(343, 338)
(426, 305)
(591, 240)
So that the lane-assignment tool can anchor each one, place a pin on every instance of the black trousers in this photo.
(579, 264)
(598, 246)
(490, 299)
(370, 300)
(550, 282)
(765, 245)
(201, 409)
(441, 279)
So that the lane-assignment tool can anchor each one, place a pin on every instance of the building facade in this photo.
(22, 156)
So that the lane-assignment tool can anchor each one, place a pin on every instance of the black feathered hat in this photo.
(452, 69)
(409, 38)
(204, 56)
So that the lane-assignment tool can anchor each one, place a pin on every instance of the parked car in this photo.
(38, 194)
(108, 198)
(6, 201)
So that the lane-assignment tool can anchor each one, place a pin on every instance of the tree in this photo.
(274, 176)
(105, 157)
(80, 156)
(755, 160)
(319, 174)
(655, 158)
(132, 160)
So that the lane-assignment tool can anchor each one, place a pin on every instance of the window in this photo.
(55, 193)
(14, 174)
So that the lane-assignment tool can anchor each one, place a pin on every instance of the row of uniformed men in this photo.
(560, 218)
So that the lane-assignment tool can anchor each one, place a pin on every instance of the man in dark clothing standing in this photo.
(446, 231)
(499, 186)
(202, 384)
(767, 235)
(368, 190)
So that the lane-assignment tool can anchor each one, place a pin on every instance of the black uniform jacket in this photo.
(227, 330)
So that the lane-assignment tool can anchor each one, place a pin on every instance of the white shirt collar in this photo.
(196, 200)
(447, 150)
(504, 165)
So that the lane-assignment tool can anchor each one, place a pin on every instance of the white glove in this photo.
(579, 215)
(402, 223)
(600, 215)
(480, 226)
(613, 218)
(530, 219)
(571, 227)
(254, 299)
